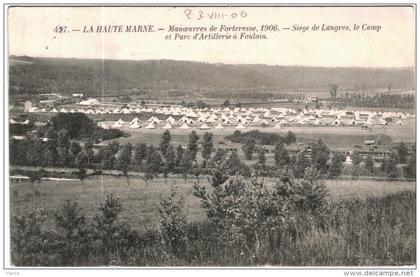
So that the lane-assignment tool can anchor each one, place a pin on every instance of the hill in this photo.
(30, 75)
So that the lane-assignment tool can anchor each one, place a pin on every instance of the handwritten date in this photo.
(200, 14)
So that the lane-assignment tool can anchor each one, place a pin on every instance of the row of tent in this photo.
(177, 110)
(233, 113)
(186, 123)
(168, 125)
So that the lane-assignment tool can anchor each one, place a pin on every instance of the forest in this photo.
(29, 75)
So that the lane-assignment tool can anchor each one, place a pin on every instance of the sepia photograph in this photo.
(202, 136)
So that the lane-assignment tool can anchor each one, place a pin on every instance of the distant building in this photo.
(49, 96)
(369, 142)
(48, 103)
(311, 99)
(90, 102)
(27, 106)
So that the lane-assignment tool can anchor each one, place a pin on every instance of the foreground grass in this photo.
(141, 200)
(370, 232)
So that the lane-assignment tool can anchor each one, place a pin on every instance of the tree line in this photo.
(382, 100)
(168, 158)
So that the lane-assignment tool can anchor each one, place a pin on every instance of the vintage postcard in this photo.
(211, 136)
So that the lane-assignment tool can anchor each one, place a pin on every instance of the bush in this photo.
(106, 134)
(73, 235)
(173, 223)
(19, 129)
(31, 243)
(258, 137)
(110, 234)
(80, 126)
(246, 212)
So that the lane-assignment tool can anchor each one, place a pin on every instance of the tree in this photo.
(81, 163)
(218, 158)
(170, 158)
(77, 125)
(110, 233)
(88, 148)
(50, 155)
(356, 169)
(320, 156)
(71, 227)
(50, 133)
(281, 155)
(63, 139)
(402, 153)
(356, 158)
(75, 149)
(290, 137)
(390, 166)
(114, 146)
(369, 165)
(336, 166)
(207, 147)
(313, 192)
(186, 161)
(108, 158)
(173, 223)
(261, 157)
(153, 161)
(34, 153)
(333, 91)
(410, 170)
(179, 154)
(300, 165)
(63, 157)
(124, 159)
(68, 217)
(226, 103)
(193, 144)
(217, 178)
(248, 148)
(165, 142)
(201, 105)
(140, 152)
(233, 166)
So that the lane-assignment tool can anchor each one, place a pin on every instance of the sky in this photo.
(31, 33)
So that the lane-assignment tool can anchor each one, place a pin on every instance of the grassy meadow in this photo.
(141, 200)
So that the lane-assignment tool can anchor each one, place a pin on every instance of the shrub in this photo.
(19, 129)
(262, 138)
(173, 223)
(111, 236)
(79, 126)
(246, 212)
(72, 230)
(31, 243)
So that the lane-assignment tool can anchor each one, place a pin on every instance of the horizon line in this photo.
(215, 63)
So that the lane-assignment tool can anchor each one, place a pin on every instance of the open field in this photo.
(337, 138)
(141, 200)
